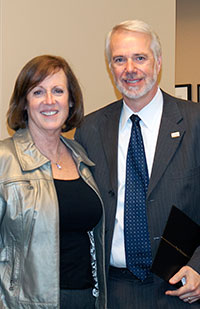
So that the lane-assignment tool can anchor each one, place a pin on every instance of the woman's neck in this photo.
(48, 143)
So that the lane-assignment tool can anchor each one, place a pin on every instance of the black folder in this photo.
(180, 239)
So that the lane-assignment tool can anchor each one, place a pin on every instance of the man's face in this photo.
(133, 65)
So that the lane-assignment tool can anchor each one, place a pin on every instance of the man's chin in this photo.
(132, 94)
(136, 92)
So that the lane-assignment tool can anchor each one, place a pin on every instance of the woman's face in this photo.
(48, 106)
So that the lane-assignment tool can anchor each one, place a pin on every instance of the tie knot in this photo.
(135, 118)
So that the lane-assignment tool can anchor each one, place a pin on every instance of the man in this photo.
(170, 130)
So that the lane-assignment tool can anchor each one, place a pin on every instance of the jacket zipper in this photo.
(99, 196)
(12, 278)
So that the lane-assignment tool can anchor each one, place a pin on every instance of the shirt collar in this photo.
(148, 114)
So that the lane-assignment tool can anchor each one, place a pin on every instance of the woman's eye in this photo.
(58, 91)
(37, 93)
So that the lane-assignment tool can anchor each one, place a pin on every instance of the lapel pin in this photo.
(175, 134)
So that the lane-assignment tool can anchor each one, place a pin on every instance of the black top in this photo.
(80, 211)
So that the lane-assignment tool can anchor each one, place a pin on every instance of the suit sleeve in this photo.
(194, 262)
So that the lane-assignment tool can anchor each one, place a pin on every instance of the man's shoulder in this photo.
(110, 108)
(185, 106)
(170, 98)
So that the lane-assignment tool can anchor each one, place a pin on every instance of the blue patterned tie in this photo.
(137, 242)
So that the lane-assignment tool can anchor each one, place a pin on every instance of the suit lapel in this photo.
(171, 132)
(109, 135)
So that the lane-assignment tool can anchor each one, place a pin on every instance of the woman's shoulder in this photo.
(8, 143)
(6, 146)
(8, 158)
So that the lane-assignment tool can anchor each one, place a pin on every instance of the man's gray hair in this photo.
(135, 26)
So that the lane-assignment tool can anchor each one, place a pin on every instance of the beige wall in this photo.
(188, 44)
(2, 125)
(76, 30)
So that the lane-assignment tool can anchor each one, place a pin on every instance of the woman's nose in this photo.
(49, 97)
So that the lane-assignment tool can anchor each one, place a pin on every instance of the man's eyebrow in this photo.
(140, 54)
(118, 56)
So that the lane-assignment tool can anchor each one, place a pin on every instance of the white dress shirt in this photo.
(150, 117)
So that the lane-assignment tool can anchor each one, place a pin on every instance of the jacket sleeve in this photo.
(194, 262)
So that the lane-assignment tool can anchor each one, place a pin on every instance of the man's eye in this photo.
(140, 58)
(119, 60)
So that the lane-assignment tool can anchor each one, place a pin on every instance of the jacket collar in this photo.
(78, 153)
(30, 157)
(172, 123)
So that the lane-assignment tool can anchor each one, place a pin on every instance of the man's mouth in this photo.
(132, 81)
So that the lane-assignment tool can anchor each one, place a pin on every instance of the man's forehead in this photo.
(133, 43)
(130, 33)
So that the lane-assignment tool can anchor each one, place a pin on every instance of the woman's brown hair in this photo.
(32, 74)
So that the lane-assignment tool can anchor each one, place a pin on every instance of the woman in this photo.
(51, 215)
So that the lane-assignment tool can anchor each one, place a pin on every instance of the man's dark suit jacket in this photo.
(175, 177)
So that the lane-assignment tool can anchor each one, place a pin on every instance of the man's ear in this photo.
(159, 64)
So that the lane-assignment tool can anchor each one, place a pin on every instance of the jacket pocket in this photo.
(20, 197)
(184, 174)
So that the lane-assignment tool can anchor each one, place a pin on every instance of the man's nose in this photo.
(130, 65)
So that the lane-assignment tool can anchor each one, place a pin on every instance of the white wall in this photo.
(76, 30)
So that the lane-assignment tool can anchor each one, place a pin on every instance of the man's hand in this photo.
(190, 292)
